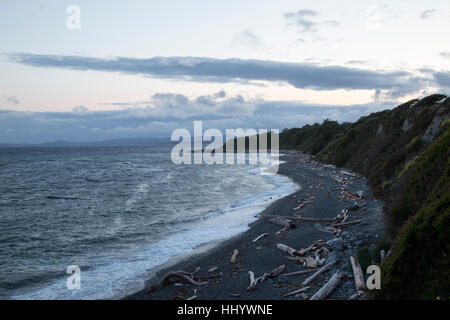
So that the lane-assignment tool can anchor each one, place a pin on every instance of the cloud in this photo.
(10, 99)
(165, 112)
(428, 13)
(442, 79)
(305, 21)
(445, 54)
(80, 109)
(299, 75)
(247, 38)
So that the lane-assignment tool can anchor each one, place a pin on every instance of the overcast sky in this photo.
(144, 68)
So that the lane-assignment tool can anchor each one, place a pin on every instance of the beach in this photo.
(322, 195)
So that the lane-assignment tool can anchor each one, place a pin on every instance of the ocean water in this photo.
(117, 213)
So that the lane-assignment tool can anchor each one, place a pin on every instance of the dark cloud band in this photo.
(300, 75)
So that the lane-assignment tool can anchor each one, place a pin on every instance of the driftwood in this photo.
(191, 298)
(345, 224)
(348, 173)
(299, 207)
(272, 274)
(356, 178)
(287, 249)
(259, 237)
(304, 219)
(304, 296)
(327, 231)
(311, 262)
(297, 259)
(314, 219)
(328, 287)
(233, 257)
(252, 285)
(280, 231)
(296, 292)
(297, 273)
(350, 195)
(212, 269)
(283, 222)
(313, 246)
(358, 274)
(319, 272)
(359, 295)
(212, 276)
(180, 275)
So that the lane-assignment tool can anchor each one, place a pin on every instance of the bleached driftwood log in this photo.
(304, 296)
(345, 224)
(348, 173)
(281, 231)
(311, 262)
(296, 291)
(319, 272)
(260, 237)
(212, 269)
(358, 274)
(313, 246)
(287, 249)
(297, 259)
(275, 272)
(283, 222)
(252, 285)
(233, 257)
(304, 218)
(327, 231)
(359, 295)
(352, 196)
(297, 273)
(328, 287)
(179, 275)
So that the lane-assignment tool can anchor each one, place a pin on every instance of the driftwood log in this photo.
(345, 224)
(319, 272)
(287, 249)
(272, 274)
(297, 273)
(358, 274)
(296, 291)
(260, 237)
(252, 284)
(328, 287)
(304, 218)
(233, 257)
(283, 222)
(177, 275)
(212, 269)
(359, 295)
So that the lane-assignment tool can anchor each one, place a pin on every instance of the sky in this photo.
(93, 70)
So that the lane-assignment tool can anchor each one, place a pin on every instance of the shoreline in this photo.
(229, 281)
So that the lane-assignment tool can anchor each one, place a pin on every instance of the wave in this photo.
(62, 197)
(117, 278)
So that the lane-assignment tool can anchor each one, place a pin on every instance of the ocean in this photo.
(117, 213)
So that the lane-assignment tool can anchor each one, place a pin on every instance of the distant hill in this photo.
(104, 143)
